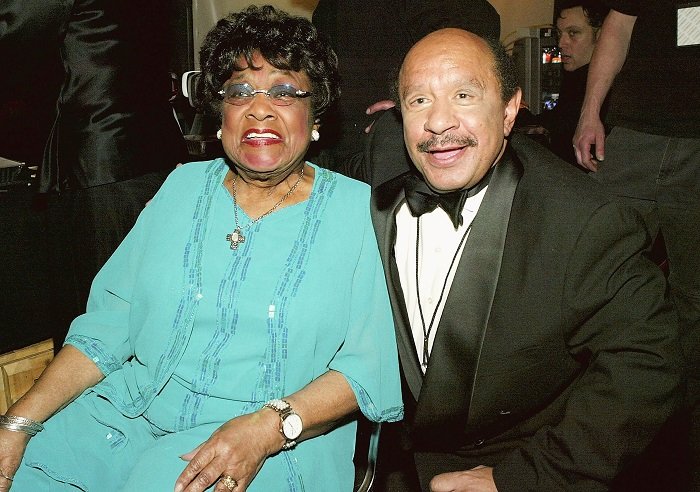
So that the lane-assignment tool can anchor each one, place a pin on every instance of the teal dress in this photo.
(190, 334)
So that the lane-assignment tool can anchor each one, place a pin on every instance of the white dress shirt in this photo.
(437, 247)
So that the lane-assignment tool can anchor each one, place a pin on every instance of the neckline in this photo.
(242, 213)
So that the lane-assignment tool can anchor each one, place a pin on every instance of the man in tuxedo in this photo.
(537, 347)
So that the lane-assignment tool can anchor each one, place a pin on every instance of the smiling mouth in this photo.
(262, 135)
(442, 152)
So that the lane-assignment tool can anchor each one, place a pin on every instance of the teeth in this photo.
(261, 135)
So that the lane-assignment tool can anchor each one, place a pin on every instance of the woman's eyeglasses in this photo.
(279, 95)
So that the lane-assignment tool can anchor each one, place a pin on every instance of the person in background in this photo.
(537, 346)
(244, 319)
(578, 24)
(114, 135)
(646, 62)
(371, 38)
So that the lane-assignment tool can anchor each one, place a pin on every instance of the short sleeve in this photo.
(368, 358)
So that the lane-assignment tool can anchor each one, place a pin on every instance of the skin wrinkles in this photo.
(454, 124)
(271, 158)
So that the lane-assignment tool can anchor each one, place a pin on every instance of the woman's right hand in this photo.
(12, 446)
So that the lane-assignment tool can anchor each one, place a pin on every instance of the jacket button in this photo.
(504, 412)
(479, 442)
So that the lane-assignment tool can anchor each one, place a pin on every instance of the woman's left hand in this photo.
(237, 449)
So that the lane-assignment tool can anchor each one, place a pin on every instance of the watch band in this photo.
(285, 410)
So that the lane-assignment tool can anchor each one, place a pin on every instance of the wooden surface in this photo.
(20, 368)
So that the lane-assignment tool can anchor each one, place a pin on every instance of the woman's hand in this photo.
(12, 446)
(237, 449)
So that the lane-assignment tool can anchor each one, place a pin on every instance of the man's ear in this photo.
(511, 111)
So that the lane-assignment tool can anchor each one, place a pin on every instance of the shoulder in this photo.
(192, 174)
(552, 178)
(343, 185)
(190, 180)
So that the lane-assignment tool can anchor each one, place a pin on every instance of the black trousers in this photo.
(85, 226)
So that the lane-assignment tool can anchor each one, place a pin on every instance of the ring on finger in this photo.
(5, 476)
(229, 482)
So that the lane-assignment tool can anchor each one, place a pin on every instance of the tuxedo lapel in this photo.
(443, 404)
(386, 200)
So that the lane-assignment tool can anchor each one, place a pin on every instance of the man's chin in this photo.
(444, 184)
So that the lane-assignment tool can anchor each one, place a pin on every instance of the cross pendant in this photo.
(236, 238)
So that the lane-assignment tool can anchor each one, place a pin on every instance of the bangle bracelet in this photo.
(20, 424)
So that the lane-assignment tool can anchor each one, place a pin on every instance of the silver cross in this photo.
(236, 238)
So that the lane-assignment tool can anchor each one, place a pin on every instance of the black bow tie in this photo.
(421, 199)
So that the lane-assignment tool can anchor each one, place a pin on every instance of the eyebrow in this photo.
(240, 74)
(474, 82)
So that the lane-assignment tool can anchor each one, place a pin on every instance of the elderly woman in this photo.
(242, 322)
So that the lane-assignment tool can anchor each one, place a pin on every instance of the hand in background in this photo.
(479, 479)
(378, 106)
(589, 138)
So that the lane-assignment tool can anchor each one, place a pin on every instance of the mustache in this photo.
(445, 140)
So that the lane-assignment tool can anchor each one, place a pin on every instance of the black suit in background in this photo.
(371, 38)
(114, 133)
(556, 359)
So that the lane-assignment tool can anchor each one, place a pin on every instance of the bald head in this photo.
(467, 42)
(458, 103)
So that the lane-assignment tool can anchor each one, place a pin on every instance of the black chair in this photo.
(366, 449)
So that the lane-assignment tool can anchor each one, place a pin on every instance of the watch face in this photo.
(291, 426)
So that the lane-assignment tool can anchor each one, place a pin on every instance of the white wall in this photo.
(522, 13)
(207, 12)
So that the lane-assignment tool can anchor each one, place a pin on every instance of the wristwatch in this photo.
(290, 422)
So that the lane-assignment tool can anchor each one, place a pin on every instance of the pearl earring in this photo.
(218, 133)
(315, 135)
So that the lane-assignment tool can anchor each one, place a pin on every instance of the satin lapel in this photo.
(443, 405)
(386, 199)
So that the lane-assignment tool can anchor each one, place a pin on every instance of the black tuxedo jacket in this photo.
(113, 117)
(556, 357)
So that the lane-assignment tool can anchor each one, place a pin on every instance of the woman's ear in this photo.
(315, 135)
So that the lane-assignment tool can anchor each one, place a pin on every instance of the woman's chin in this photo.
(266, 165)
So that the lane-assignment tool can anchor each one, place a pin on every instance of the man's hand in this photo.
(378, 106)
(479, 479)
(589, 132)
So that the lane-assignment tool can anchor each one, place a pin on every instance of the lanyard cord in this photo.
(426, 333)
